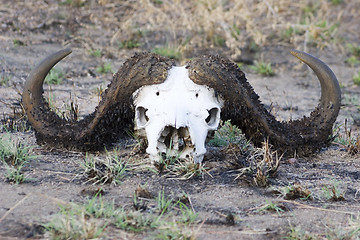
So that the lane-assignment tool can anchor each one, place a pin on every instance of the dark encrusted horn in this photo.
(33, 88)
(110, 120)
(242, 105)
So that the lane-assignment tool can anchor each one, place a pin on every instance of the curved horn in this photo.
(330, 88)
(33, 88)
(110, 120)
(243, 107)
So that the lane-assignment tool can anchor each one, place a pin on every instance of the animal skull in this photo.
(176, 116)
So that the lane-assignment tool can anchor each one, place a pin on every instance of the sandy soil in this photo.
(28, 34)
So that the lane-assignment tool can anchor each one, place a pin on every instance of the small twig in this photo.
(56, 200)
(221, 214)
(316, 208)
(13, 207)
(250, 232)
(270, 8)
(207, 172)
(191, 205)
(200, 226)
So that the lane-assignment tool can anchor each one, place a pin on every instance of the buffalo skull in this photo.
(176, 107)
(176, 115)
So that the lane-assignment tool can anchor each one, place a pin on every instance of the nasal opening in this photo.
(175, 140)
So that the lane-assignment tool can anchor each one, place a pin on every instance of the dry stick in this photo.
(56, 200)
(316, 208)
(191, 205)
(270, 8)
(207, 172)
(200, 226)
(243, 232)
(221, 214)
(13, 207)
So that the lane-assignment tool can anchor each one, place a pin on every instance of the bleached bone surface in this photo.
(176, 116)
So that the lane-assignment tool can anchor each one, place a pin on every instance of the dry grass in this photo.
(192, 26)
(108, 170)
(189, 24)
(346, 139)
(260, 164)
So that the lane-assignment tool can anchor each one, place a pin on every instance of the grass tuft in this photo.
(353, 49)
(334, 192)
(96, 53)
(228, 134)
(187, 169)
(163, 203)
(168, 52)
(73, 3)
(110, 170)
(15, 155)
(134, 221)
(296, 233)
(18, 42)
(346, 139)
(337, 2)
(90, 220)
(352, 61)
(105, 68)
(356, 79)
(260, 164)
(74, 222)
(180, 168)
(294, 191)
(4, 78)
(55, 77)
(272, 207)
(263, 68)
(130, 44)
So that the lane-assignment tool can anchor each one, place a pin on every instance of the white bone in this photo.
(171, 112)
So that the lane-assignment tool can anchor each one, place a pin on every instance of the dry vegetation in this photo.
(235, 24)
(133, 198)
(189, 25)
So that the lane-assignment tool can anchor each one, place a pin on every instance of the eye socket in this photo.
(142, 118)
(212, 120)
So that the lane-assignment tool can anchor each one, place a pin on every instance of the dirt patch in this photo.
(228, 206)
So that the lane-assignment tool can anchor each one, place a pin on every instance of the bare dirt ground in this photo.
(228, 207)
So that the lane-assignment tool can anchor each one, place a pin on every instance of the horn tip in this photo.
(66, 51)
(298, 54)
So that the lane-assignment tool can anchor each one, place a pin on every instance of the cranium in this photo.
(177, 118)
(176, 115)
